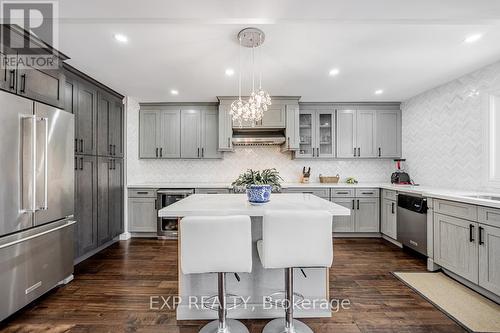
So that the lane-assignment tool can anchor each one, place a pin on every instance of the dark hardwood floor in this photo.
(111, 293)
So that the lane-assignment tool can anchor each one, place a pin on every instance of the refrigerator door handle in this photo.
(28, 165)
(44, 205)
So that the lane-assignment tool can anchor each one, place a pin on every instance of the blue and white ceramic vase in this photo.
(259, 194)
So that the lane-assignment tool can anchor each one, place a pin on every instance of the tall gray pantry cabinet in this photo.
(99, 188)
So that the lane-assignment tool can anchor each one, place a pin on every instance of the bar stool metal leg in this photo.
(222, 324)
(288, 324)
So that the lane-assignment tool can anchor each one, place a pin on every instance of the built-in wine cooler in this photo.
(167, 226)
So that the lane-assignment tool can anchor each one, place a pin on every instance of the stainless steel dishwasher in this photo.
(412, 222)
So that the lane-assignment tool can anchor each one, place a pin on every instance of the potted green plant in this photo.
(259, 184)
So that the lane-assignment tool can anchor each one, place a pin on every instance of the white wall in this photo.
(444, 131)
(227, 169)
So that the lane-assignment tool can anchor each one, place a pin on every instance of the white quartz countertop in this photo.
(237, 204)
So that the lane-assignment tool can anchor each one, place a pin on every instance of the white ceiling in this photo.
(401, 46)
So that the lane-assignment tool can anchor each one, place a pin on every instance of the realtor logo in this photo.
(38, 21)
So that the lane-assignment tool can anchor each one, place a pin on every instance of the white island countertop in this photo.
(237, 204)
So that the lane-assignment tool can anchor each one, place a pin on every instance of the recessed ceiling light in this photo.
(229, 72)
(334, 72)
(174, 92)
(379, 92)
(473, 38)
(121, 38)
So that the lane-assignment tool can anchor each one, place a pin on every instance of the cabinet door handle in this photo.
(354, 152)
(161, 151)
(76, 163)
(288, 139)
(359, 152)
(471, 233)
(114, 150)
(379, 151)
(23, 84)
(358, 204)
(198, 152)
(228, 142)
(82, 145)
(76, 145)
(81, 163)
(481, 241)
(317, 152)
(110, 149)
(313, 152)
(156, 152)
(392, 207)
(352, 204)
(202, 152)
(12, 79)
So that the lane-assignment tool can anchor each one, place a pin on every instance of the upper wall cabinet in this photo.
(274, 117)
(292, 128)
(46, 85)
(389, 133)
(368, 133)
(178, 131)
(109, 125)
(316, 133)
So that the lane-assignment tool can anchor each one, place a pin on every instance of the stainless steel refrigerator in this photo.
(36, 200)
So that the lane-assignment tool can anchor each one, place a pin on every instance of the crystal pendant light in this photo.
(252, 110)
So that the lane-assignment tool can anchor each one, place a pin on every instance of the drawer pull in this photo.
(142, 192)
(33, 287)
(342, 192)
(366, 192)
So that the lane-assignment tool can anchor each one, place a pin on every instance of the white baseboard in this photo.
(125, 236)
(143, 235)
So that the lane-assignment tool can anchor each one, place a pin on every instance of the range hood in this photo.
(258, 137)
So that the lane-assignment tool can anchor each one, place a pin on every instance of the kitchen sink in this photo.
(486, 197)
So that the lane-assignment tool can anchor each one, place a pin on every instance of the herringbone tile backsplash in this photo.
(443, 131)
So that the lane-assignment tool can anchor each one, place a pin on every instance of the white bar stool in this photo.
(294, 239)
(217, 244)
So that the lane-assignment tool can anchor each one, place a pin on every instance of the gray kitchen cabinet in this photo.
(42, 85)
(367, 215)
(345, 223)
(142, 214)
(316, 134)
(489, 258)
(212, 191)
(346, 134)
(179, 131)
(356, 133)
(366, 133)
(169, 133)
(45, 86)
(209, 135)
(116, 126)
(388, 222)
(85, 118)
(292, 128)
(455, 245)
(70, 96)
(150, 133)
(109, 125)
(225, 126)
(191, 133)
(109, 198)
(104, 103)
(389, 133)
(274, 117)
(86, 204)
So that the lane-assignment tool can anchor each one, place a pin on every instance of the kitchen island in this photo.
(260, 283)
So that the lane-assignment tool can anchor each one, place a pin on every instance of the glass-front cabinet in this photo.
(316, 134)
